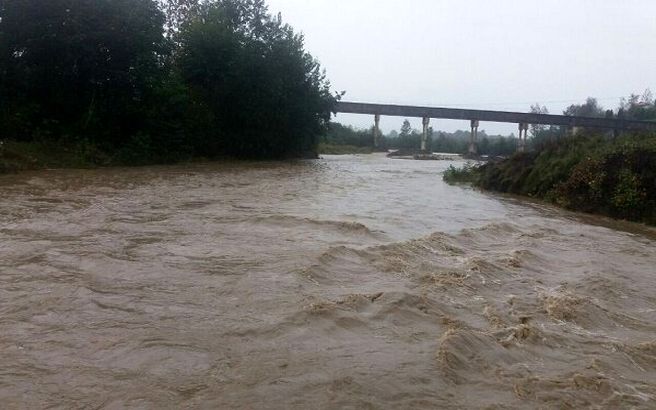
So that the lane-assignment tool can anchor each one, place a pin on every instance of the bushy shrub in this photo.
(466, 174)
(619, 179)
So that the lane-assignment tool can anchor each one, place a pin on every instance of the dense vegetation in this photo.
(636, 107)
(410, 139)
(342, 139)
(588, 173)
(342, 149)
(592, 172)
(140, 81)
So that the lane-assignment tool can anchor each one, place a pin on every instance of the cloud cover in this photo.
(501, 55)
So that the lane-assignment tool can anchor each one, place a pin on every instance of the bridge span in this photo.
(475, 116)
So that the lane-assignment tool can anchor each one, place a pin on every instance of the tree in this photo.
(536, 129)
(225, 78)
(267, 96)
(406, 129)
(339, 134)
(591, 108)
(177, 12)
(408, 138)
(639, 107)
(78, 68)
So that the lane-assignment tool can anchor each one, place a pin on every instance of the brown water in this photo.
(348, 282)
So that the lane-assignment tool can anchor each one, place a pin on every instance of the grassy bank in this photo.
(588, 173)
(20, 156)
(331, 149)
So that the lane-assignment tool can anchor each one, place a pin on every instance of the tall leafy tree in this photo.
(267, 96)
(639, 107)
(82, 67)
(536, 129)
(406, 129)
(177, 12)
(156, 80)
(591, 108)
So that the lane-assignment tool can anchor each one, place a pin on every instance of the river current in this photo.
(346, 282)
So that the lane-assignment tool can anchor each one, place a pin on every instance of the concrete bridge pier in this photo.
(573, 131)
(376, 130)
(523, 134)
(473, 138)
(424, 135)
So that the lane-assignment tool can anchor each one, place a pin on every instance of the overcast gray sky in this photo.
(493, 54)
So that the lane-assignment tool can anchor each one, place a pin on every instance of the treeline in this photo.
(636, 107)
(140, 81)
(408, 138)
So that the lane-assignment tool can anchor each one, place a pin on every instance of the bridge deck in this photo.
(492, 116)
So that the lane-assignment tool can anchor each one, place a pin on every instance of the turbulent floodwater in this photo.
(348, 282)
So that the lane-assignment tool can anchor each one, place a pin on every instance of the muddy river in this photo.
(348, 282)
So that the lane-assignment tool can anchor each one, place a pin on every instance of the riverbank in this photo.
(25, 156)
(22, 156)
(335, 149)
(590, 173)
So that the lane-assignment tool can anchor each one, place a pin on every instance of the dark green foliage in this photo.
(17, 156)
(455, 175)
(619, 181)
(338, 134)
(211, 78)
(409, 140)
(266, 95)
(589, 173)
(177, 13)
(458, 142)
(78, 68)
(591, 108)
(341, 149)
(637, 107)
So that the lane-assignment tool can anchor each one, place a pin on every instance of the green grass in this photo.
(588, 173)
(462, 175)
(330, 149)
(19, 156)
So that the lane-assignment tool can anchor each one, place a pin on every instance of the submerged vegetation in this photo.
(462, 175)
(180, 79)
(589, 173)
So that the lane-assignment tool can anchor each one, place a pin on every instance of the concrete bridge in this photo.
(475, 116)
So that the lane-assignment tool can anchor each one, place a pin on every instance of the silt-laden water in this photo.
(347, 282)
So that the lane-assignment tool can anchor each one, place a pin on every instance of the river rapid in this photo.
(346, 282)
